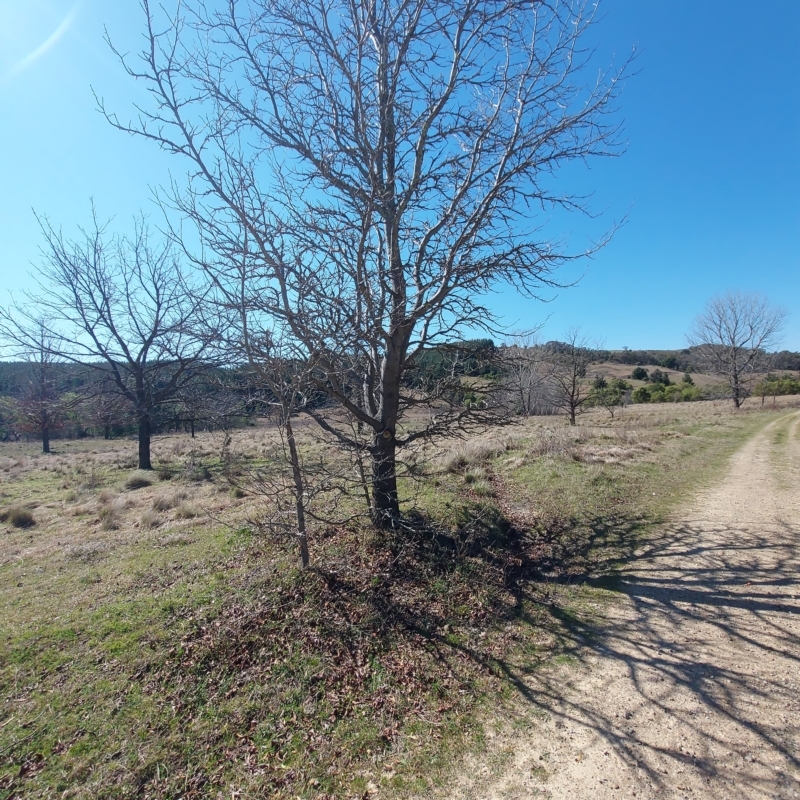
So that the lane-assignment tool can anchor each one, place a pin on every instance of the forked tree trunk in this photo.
(144, 442)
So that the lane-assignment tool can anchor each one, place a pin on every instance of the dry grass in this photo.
(18, 516)
(474, 451)
(149, 520)
(285, 684)
(138, 480)
(186, 511)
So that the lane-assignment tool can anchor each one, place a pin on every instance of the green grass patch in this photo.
(199, 661)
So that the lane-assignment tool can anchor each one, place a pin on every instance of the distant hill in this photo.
(687, 359)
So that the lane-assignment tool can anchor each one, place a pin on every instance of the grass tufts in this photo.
(138, 480)
(18, 516)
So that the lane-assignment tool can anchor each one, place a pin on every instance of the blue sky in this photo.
(710, 181)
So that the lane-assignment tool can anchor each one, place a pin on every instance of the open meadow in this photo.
(154, 644)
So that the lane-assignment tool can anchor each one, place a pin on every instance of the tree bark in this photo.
(144, 442)
(299, 491)
(385, 504)
(45, 439)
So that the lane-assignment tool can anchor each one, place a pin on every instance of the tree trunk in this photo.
(385, 504)
(45, 439)
(192, 424)
(299, 491)
(144, 442)
(107, 432)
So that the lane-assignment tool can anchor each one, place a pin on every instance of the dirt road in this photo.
(693, 689)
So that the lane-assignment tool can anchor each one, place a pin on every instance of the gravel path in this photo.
(693, 690)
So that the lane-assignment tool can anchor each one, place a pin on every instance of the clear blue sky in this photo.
(710, 181)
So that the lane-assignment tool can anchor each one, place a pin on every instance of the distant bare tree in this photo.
(123, 307)
(40, 404)
(568, 364)
(733, 334)
(526, 385)
(377, 165)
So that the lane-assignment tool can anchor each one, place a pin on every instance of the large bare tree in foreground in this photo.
(370, 170)
(123, 307)
(731, 336)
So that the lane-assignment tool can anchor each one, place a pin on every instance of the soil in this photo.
(692, 688)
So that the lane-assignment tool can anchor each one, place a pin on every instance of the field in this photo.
(151, 645)
(610, 370)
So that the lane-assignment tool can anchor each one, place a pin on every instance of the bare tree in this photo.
(282, 382)
(732, 335)
(374, 168)
(568, 363)
(526, 381)
(123, 307)
(40, 404)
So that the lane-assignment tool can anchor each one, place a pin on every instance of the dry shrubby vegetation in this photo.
(153, 646)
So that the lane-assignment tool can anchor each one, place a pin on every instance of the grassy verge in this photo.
(149, 650)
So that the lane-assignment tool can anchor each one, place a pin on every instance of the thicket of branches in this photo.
(361, 174)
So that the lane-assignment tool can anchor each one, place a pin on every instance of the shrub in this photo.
(641, 395)
(639, 374)
(687, 378)
(672, 393)
(657, 376)
(690, 393)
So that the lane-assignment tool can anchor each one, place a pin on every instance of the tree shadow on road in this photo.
(703, 604)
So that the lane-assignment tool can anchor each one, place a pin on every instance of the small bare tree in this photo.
(40, 404)
(377, 166)
(124, 308)
(732, 335)
(526, 384)
(568, 364)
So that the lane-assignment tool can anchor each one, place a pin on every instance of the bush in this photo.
(639, 374)
(641, 395)
(672, 393)
(687, 378)
(657, 376)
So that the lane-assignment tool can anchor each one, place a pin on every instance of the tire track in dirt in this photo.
(692, 690)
